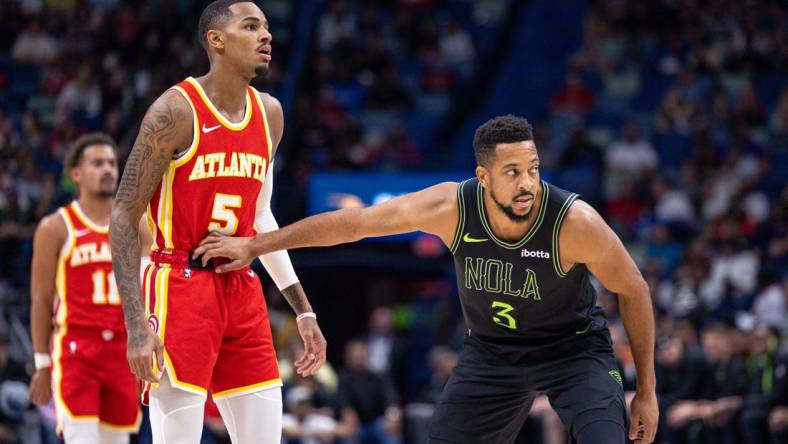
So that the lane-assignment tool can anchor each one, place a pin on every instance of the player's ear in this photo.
(215, 39)
(74, 174)
(482, 175)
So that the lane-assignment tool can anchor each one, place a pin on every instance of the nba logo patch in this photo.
(153, 322)
(187, 272)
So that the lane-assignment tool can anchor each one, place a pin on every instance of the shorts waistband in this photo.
(180, 258)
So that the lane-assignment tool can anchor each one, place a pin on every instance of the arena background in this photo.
(669, 116)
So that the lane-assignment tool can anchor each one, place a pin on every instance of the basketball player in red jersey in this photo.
(95, 393)
(202, 163)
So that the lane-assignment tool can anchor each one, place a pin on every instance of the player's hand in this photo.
(314, 348)
(142, 345)
(645, 416)
(236, 249)
(41, 387)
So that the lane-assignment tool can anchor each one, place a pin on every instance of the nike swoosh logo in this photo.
(80, 233)
(207, 130)
(468, 238)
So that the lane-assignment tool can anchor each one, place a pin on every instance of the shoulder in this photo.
(274, 114)
(271, 103)
(443, 195)
(171, 100)
(170, 116)
(583, 232)
(52, 228)
(582, 217)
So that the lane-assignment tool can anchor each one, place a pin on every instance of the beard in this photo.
(105, 194)
(262, 71)
(509, 211)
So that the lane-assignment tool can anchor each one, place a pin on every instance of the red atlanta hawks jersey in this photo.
(87, 295)
(214, 185)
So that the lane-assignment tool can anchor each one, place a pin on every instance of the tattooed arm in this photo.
(165, 130)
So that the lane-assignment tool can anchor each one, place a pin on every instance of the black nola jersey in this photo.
(515, 297)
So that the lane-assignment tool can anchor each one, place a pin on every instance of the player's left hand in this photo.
(645, 416)
(314, 348)
(236, 249)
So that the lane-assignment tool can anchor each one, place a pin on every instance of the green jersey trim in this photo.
(556, 228)
(529, 234)
(461, 222)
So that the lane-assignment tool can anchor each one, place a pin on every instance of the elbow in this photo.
(122, 217)
(636, 291)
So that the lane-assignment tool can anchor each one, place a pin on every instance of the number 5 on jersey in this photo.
(505, 319)
(223, 205)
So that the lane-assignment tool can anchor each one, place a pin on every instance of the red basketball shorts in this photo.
(214, 327)
(91, 379)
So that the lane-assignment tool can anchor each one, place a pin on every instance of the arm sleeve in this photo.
(276, 263)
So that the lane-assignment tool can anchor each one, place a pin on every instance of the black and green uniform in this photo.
(533, 328)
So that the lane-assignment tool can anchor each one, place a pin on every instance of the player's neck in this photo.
(226, 90)
(97, 209)
(504, 228)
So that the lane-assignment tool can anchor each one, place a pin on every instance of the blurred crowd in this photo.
(672, 121)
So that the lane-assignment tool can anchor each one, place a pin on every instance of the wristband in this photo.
(306, 314)
(42, 360)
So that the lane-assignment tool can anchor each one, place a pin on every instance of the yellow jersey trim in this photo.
(103, 229)
(223, 120)
(276, 382)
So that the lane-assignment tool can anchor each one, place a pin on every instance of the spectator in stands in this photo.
(763, 347)
(573, 98)
(367, 400)
(663, 250)
(631, 154)
(671, 204)
(680, 370)
(13, 398)
(724, 382)
(778, 415)
(335, 25)
(771, 301)
(80, 96)
(34, 46)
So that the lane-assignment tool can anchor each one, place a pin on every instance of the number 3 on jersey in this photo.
(505, 319)
(223, 205)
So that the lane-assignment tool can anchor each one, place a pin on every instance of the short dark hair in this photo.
(75, 151)
(501, 129)
(211, 15)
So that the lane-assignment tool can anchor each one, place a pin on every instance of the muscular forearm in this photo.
(40, 323)
(296, 297)
(638, 317)
(124, 241)
(336, 227)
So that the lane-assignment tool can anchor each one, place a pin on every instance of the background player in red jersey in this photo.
(95, 394)
(201, 163)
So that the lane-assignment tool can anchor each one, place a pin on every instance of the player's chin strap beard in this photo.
(509, 212)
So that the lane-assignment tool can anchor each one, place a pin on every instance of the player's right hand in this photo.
(143, 343)
(41, 387)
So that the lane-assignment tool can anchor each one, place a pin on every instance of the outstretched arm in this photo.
(585, 238)
(166, 128)
(433, 210)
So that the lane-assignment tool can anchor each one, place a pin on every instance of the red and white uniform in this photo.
(91, 377)
(215, 327)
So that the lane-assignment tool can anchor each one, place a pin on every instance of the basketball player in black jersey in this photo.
(524, 251)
